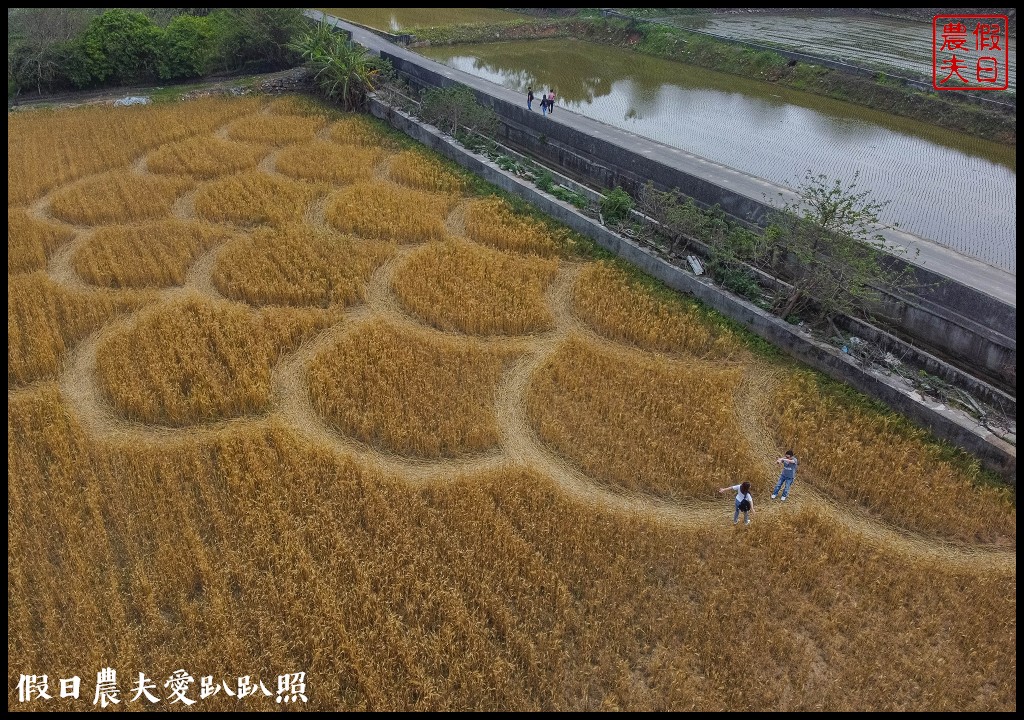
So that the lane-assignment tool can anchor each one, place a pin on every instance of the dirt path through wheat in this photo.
(519, 444)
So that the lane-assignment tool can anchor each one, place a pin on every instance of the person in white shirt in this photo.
(744, 502)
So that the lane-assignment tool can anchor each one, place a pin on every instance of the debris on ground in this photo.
(132, 100)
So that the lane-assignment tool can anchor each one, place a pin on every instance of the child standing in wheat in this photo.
(744, 502)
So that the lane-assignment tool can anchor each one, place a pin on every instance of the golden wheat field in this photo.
(287, 395)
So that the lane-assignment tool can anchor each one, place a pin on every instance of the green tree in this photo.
(452, 108)
(121, 47)
(827, 245)
(258, 38)
(186, 48)
(616, 206)
(681, 219)
(342, 70)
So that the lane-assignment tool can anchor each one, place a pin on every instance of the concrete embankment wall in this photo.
(992, 451)
(958, 323)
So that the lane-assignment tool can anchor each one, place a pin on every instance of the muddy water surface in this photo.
(947, 187)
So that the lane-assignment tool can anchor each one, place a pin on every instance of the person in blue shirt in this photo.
(788, 463)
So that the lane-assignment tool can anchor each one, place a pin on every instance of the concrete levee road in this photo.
(945, 422)
(965, 310)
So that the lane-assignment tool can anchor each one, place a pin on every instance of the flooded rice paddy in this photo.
(947, 187)
(873, 42)
(396, 20)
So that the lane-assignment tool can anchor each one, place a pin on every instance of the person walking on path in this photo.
(788, 463)
(744, 502)
(529, 98)
(551, 101)
(544, 104)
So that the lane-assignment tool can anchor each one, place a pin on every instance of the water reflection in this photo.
(951, 188)
(402, 19)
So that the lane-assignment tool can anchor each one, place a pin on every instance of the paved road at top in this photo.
(988, 279)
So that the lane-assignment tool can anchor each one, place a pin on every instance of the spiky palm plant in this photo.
(343, 71)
